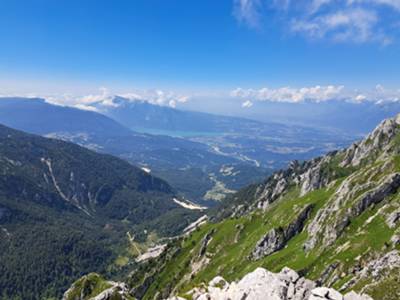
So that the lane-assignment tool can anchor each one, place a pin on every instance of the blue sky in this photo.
(205, 46)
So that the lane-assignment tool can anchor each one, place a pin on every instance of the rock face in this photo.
(308, 175)
(264, 285)
(376, 269)
(312, 174)
(273, 241)
(393, 219)
(204, 243)
(276, 239)
(377, 141)
(325, 293)
(321, 229)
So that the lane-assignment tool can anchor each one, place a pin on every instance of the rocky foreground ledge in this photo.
(258, 285)
(264, 285)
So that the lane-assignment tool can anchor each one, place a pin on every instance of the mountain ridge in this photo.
(333, 219)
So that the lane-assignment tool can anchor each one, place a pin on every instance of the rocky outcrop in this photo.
(325, 293)
(315, 177)
(307, 175)
(383, 264)
(277, 184)
(332, 220)
(322, 171)
(327, 273)
(277, 238)
(94, 287)
(312, 175)
(264, 285)
(118, 291)
(376, 269)
(378, 141)
(273, 241)
(395, 239)
(389, 186)
(393, 219)
(204, 243)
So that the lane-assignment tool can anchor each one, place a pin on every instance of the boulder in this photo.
(264, 285)
(393, 219)
(325, 293)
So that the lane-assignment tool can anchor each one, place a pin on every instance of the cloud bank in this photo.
(106, 99)
(315, 94)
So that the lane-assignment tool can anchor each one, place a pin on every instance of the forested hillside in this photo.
(65, 211)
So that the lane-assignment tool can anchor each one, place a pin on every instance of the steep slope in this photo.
(334, 219)
(76, 177)
(65, 211)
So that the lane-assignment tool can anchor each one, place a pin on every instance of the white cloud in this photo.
(356, 21)
(248, 12)
(317, 4)
(158, 97)
(315, 94)
(288, 94)
(106, 99)
(172, 103)
(247, 104)
(390, 3)
(360, 98)
(350, 25)
(86, 107)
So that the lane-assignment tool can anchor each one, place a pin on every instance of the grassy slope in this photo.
(234, 239)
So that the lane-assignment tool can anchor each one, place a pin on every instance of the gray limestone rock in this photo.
(393, 219)
(264, 285)
(277, 238)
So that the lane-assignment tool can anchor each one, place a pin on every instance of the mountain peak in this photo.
(380, 141)
(397, 118)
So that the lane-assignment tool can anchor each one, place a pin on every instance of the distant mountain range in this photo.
(266, 143)
(182, 162)
(142, 115)
(39, 117)
(348, 117)
(204, 156)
